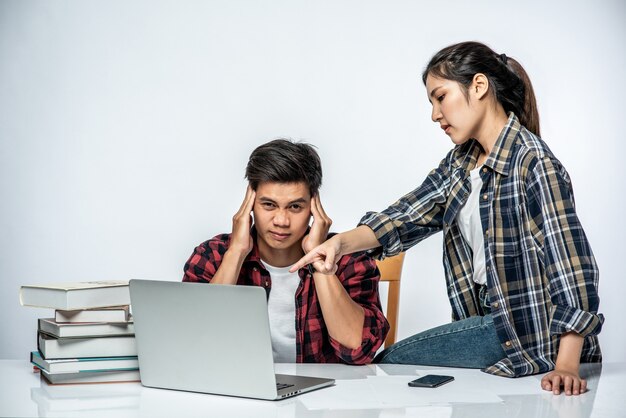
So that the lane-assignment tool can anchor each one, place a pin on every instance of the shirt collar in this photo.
(499, 159)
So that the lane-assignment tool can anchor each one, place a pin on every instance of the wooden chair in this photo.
(391, 271)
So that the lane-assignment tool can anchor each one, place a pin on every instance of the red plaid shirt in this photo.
(358, 274)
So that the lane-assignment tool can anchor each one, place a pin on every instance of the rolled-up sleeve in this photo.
(569, 263)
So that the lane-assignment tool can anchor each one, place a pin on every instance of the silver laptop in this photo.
(209, 338)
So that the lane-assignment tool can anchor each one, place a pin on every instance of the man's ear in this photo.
(480, 86)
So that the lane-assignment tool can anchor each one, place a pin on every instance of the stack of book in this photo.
(91, 338)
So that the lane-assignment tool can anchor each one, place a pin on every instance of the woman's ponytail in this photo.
(530, 115)
(511, 85)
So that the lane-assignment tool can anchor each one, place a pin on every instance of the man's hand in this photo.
(570, 380)
(324, 260)
(319, 229)
(240, 243)
(241, 240)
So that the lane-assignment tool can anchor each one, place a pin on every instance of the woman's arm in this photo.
(325, 256)
(565, 372)
(570, 268)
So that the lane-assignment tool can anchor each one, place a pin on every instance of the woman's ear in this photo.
(479, 86)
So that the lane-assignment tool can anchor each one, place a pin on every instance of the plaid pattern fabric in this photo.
(542, 276)
(358, 274)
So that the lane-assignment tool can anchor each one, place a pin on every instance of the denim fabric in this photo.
(470, 342)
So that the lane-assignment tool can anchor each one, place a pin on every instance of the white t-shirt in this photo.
(281, 307)
(472, 229)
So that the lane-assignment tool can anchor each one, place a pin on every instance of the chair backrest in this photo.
(391, 271)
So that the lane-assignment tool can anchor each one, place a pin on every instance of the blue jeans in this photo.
(470, 342)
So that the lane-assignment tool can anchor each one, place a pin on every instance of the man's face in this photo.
(281, 215)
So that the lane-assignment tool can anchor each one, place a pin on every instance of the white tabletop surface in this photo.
(360, 391)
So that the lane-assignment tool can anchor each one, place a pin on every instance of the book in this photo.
(77, 295)
(84, 329)
(92, 377)
(63, 348)
(90, 364)
(106, 314)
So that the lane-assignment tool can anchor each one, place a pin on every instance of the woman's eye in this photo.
(440, 98)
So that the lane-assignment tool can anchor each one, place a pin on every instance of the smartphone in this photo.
(431, 381)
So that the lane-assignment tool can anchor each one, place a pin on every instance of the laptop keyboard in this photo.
(280, 386)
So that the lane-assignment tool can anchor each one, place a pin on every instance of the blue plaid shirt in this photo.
(542, 277)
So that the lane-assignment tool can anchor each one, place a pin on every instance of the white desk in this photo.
(22, 393)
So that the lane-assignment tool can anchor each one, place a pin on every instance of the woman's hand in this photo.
(324, 257)
(565, 371)
(570, 380)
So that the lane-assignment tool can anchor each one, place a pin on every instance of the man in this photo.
(313, 317)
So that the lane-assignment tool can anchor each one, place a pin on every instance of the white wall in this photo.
(125, 127)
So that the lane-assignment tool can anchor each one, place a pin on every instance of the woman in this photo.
(522, 279)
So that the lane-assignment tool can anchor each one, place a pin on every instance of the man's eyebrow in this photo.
(301, 200)
(267, 199)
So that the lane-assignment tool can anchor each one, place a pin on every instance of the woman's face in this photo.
(457, 114)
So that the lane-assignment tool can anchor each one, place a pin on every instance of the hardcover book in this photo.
(85, 329)
(77, 295)
(90, 364)
(92, 377)
(106, 314)
(59, 348)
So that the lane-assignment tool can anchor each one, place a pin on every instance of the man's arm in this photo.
(359, 276)
(344, 317)
(240, 243)
(216, 262)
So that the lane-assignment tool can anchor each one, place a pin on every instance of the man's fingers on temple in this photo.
(315, 208)
(245, 204)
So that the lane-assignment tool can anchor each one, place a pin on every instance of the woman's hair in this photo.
(511, 85)
(284, 161)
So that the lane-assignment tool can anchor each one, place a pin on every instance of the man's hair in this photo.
(285, 161)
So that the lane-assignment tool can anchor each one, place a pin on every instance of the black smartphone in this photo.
(431, 381)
